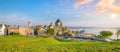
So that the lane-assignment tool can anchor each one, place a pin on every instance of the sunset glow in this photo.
(113, 16)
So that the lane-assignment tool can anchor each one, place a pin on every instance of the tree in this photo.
(64, 29)
(38, 28)
(71, 34)
(7, 26)
(50, 32)
(118, 34)
(105, 34)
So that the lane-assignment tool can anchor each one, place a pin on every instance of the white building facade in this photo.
(3, 30)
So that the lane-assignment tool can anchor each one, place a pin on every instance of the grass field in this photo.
(25, 44)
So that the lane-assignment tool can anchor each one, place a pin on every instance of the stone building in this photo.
(3, 30)
(42, 32)
(26, 31)
(22, 31)
(10, 30)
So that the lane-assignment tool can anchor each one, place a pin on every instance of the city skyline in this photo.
(70, 12)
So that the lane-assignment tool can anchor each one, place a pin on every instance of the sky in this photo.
(98, 13)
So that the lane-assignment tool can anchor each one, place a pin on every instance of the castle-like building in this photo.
(58, 23)
(51, 25)
(29, 30)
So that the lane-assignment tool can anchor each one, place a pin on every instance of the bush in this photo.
(14, 33)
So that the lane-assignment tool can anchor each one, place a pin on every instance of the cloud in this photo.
(111, 6)
(12, 19)
(117, 2)
(107, 6)
(77, 3)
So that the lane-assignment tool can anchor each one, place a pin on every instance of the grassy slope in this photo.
(24, 44)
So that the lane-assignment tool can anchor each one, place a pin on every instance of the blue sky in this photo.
(46, 11)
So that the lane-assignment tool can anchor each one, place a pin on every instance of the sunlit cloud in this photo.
(107, 6)
(77, 3)
(103, 6)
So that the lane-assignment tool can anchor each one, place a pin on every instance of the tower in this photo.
(51, 25)
(58, 23)
(29, 24)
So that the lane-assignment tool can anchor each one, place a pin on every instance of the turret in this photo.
(29, 24)
(58, 23)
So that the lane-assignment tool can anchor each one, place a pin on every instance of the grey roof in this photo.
(58, 20)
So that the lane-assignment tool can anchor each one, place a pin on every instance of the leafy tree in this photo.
(38, 28)
(7, 26)
(64, 29)
(118, 34)
(50, 32)
(105, 34)
(71, 34)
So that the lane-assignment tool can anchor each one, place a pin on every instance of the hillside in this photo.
(26, 44)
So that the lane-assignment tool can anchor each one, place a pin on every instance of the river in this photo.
(96, 30)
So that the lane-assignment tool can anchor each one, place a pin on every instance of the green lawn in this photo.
(25, 44)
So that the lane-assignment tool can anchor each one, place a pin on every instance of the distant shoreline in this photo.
(94, 27)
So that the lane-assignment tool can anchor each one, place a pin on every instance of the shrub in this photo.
(14, 33)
